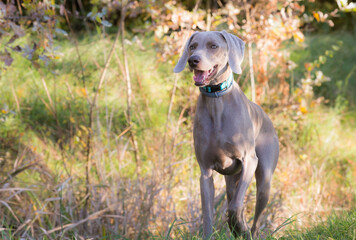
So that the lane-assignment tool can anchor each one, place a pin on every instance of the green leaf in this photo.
(94, 11)
(98, 19)
(61, 31)
(322, 59)
(98, 30)
(336, 48)
(106, 23)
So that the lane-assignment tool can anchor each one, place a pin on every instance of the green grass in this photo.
(340, 64)
(336, 226)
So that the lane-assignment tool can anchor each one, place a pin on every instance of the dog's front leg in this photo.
(207, 200)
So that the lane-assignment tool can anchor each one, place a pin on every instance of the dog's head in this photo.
(209, 54)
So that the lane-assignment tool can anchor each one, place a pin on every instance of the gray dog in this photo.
(232, 135)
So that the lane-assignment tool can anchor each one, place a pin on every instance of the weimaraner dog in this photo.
(232, 135)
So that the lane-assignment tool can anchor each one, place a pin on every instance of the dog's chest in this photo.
(218, 148)
(219, 138)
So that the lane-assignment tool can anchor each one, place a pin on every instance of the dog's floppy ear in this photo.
(183, 59)
(236, 48)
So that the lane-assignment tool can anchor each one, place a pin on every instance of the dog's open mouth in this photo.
(201, 77)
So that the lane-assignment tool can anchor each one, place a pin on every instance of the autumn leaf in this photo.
(320, 17)
(83, 91)
(298, 36)
(316, 16)
(303, 110)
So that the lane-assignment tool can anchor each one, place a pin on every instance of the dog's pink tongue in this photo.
(200, 76)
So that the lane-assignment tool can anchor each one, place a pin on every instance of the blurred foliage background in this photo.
(96, 130)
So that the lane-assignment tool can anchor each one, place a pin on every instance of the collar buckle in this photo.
(219, 89)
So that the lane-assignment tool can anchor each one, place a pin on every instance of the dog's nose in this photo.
(194, 61)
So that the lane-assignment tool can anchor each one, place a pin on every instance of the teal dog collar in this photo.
(218, 90)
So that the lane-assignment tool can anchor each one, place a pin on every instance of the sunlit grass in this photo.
(336, 226)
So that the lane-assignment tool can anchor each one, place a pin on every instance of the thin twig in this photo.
(208, 13)
(21, 227)
(129, 89)
(19, 7)
(252, 76)
(48, 94)
(250, 60)
(90, 217)
(123, 132)
(103, 73)
(16, 98)
(169, 114)
(76, 47)
(16, 171)
(10, 209)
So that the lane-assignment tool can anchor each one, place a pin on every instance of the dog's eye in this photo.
(214, 46)
(192, 47)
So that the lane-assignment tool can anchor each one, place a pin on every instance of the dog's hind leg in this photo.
(267, 156)
(263, 182)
